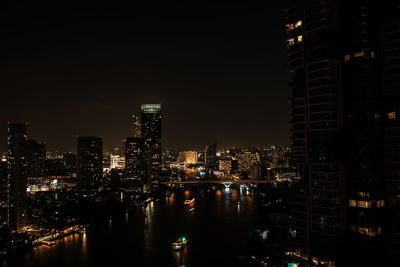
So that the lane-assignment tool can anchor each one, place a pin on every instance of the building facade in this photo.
(190, 157)
(36, 159)
(89, 161)
(151, 137)
(390, 49)
(17, 175)
(210, 157)
(134, 161)
(339, 80)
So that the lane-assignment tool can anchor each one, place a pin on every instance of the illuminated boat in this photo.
(179, 244)
(189, 201)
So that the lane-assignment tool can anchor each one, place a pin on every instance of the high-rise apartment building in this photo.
(89, 161)
(36, 159)
(337, 126)
(134, 161)
(3, 193)
(151, 136)
(17, 175)
(390, 49)
(210, 157)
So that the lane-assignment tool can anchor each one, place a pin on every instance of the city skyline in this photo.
(156, 134)
(88, 87)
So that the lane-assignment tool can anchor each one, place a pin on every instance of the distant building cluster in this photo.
(28, 168)
(234, 163)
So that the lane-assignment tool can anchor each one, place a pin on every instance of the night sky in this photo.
(218, 68)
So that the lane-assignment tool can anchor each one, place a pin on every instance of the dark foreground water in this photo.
(217, 231)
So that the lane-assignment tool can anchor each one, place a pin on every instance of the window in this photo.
(380, 203)
(377, 116)
(352, 203)
(347, 57)
(359, 54)
(289, 27)
(291, 42)
(372, 54)
(392, 115)
(367, 231)
(300, 38)
(298, 24)
(364, 204)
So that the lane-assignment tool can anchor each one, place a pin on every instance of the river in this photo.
(217, 232)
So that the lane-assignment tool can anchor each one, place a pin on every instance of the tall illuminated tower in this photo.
(151, 137)
(17, 175)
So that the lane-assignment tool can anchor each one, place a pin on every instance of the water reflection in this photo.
(171, 199)
(180, 257)
(144, 238)
(187, 193)
(218, 193)
(148, 212)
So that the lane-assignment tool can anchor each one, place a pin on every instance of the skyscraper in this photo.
(137, 130)
(89, 161)
(17, 175)
(3, 193)
(36, 159)
(134, 158)
(151, 136)
(210, 157)
(390, 36)
(337, 132)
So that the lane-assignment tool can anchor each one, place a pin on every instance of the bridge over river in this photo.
(226, 183)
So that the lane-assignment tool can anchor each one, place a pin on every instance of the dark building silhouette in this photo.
(210, 157)
(17, 175)
(3, 193)
(390, 38)
(69, 160)
(134, 158)
(151, 136)
(338, 127)
(36, 159)
(89, 161)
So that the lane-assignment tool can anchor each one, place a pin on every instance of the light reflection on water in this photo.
(145, 236)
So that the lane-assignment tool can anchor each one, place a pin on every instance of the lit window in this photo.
(392, 115)
(291, 42)
(364, 204)
(347, 57)
(353, 203)
(380, 203)
(372, 54)
(363, 194)
(367, 231)
(359, 54)
(377, 116)
(298, 24)
(300, 38)
(290, 27)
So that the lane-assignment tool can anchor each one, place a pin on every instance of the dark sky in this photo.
(218, 68)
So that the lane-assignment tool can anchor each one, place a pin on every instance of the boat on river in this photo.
(179, 244)
(189, 201)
